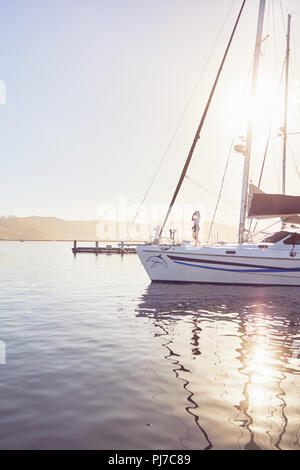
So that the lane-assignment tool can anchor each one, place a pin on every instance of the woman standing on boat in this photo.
(196, 227)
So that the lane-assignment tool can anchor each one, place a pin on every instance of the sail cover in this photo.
(264, 206)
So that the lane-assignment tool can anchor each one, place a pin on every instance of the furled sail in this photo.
(264, 206)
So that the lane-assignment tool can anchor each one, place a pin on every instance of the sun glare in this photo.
(263, 110)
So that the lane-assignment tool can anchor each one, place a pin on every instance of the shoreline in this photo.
(72, 240)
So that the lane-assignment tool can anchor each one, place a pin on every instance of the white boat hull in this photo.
(239, 264)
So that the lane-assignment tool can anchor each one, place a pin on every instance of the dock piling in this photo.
(122, 248)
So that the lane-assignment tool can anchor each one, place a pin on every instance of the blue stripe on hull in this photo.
(263, 270)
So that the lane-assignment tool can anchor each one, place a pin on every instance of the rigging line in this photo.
(294, 61)
(184, 111)
(227, 163)
(268, 19)
(294, 158)
(271, 126)
(266, 228)
(278, 90)
(294, 53)
(276, 169)
(289, 133)
(221, 189)
(267, 144)
(212, 193)
(261, 173)
(203, 119)
(265, 156)
(293, 69)
(282, 16)
(275, 38)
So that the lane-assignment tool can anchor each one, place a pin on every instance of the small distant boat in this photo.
(275, 260)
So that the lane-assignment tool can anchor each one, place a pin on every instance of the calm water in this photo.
(97, 358)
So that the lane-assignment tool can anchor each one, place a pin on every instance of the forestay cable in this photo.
(184, 112)
(202, 121)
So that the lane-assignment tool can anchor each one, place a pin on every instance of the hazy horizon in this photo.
(95, 90)
(53, 228)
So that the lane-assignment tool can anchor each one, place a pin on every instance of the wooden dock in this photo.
(121, 248)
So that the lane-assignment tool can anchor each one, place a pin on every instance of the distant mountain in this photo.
(52, 228)
(46, 228)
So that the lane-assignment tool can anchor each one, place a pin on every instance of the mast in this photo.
(197, 135)
(286, 103)
(247, 153)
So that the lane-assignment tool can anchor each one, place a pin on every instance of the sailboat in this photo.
(275, 260)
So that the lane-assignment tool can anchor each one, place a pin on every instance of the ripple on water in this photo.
(95, 353)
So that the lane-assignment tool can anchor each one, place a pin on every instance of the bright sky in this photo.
(96, 88)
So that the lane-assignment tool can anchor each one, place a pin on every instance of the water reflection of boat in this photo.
(241, 369)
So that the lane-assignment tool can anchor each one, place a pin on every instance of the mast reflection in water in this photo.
(235, 352)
